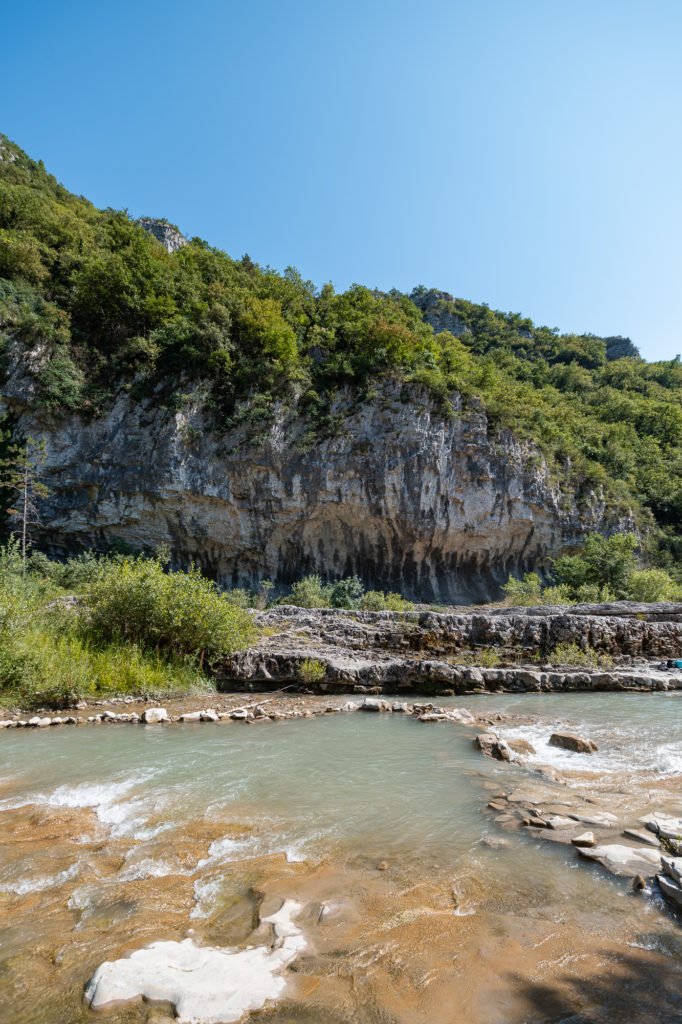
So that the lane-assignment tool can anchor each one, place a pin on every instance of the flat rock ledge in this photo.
(434, 653)
(204, 983)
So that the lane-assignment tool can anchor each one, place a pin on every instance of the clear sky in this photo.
(523, 153)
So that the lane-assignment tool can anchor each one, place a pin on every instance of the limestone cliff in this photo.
(407, 499)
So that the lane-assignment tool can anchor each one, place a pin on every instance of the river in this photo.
(418, 904)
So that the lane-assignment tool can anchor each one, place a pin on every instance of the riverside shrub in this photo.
(378, 601)
(181, 612)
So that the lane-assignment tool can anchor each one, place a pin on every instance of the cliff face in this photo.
(404, 498)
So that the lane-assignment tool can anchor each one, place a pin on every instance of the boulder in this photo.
(209, 715)
(558, 821)
(204, 983)
(190, 716)
(672, 866)
(568, 741)
(462, 716)
(375, 704)
(493, 747)
(664, 827)
(154, 716)
(600, 819)
(643, 837)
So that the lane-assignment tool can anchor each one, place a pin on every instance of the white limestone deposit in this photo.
(205, 984)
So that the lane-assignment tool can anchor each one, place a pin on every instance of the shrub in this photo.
(239, 598)
(347, 593)
(527, 591)
(310, 592)
(592, 593)
(311, 670)
(377, 601)
(261, 596)
(652, 585)
(557, 595)
(180, 612)
(603, 562)
(575, 656)
(75, 573)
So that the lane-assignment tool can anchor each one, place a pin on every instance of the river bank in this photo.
(623, 646)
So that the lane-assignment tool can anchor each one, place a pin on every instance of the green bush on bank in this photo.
(605, 569)
(311, 592)
(136, 601)
(135, 629)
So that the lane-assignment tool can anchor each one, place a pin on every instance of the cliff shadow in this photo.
(634, 989)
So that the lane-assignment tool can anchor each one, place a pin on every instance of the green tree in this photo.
(603, 562)
(21, 476)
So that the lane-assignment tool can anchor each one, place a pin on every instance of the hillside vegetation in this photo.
(101, 305)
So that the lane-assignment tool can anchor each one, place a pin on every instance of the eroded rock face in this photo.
(434, 508)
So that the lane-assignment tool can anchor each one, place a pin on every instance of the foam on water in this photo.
(622, 751)
(24, 886)
(150, 867)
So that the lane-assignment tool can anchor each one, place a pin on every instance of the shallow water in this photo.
(116, 836)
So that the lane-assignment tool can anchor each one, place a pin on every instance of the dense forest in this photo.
(102, 305)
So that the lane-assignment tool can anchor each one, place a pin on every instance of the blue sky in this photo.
(524, 153)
